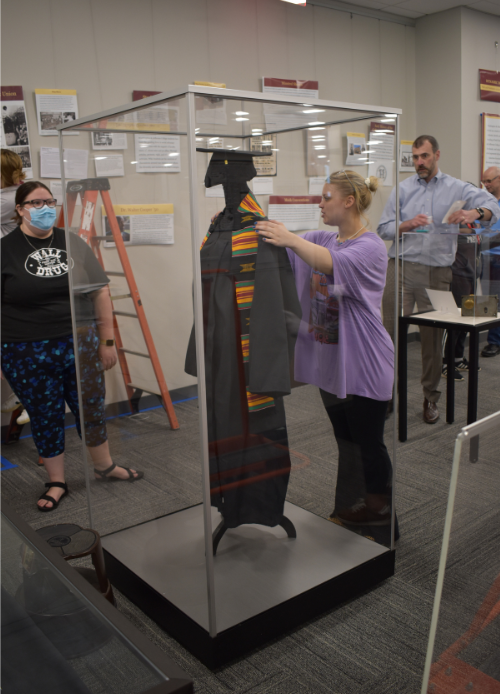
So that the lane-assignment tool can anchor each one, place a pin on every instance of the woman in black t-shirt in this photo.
(38, 356)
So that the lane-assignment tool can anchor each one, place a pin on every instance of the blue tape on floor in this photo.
(6, 464)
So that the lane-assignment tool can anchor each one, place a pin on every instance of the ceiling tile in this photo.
(403, 12)
(486, 6)
(429, 6)
(370, 4)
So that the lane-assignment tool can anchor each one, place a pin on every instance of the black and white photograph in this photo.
(24, 153)
(103, 139)
(68, 116)
(50, 119)
(14, 124)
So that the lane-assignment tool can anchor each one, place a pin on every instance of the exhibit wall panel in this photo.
(107, 49)
(479, 33)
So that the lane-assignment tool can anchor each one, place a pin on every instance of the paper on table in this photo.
(454, 207)
(443, 302)
(109, 165)
(75, 163)
(262, 185)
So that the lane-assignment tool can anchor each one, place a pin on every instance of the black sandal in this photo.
(46, 497)
(103, 474)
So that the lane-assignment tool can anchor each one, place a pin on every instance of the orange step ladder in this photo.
(89, 190)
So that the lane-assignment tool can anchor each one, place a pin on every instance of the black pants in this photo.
(364, 462)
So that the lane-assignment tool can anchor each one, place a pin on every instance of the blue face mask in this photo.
(44, 218)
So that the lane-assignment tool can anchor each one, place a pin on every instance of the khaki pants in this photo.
(416, 279)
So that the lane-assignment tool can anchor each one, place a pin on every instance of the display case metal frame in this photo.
(211, 645)
(443, 675)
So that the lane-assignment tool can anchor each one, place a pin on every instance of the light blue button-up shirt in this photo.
(438, 247)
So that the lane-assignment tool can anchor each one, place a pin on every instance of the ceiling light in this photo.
(133, 162)
(297, 2)
(266, 142)
(387, 120)
(314, 110)
(318, 137)
(167, 164)
(321, 156)
(390, 115)
(317, 122)
(274, 150)
(241, 113)
(320, 147)
(101, 158)
(374, 142)
(316, 128)
(385, 131)
(173, 154)
(242, 119)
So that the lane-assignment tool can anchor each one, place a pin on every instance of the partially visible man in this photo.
(424, 199)
(491, 181)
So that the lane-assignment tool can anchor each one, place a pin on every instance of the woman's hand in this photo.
(276, 233)
(108, 357)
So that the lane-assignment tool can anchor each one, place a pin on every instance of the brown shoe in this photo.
(431, 412)
(373, 510)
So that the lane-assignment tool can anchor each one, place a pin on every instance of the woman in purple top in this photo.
(342, 345)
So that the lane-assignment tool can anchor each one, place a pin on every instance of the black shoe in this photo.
(490, 350)
(458, 375)
(463, 365)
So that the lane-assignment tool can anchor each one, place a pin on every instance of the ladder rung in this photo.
(124, 313)
(144, 388)
(121, 296)
(101, 238)
(114, 274)
(138, 354)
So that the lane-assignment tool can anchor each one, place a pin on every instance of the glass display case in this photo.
(445, 278)
(60, 635)
(238, 530)
(463, 653)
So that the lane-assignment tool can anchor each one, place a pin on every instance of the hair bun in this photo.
(372, 183)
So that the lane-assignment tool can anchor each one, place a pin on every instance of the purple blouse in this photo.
(342, 345)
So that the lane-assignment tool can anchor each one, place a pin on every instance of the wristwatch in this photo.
(107, 343)
(480, 212)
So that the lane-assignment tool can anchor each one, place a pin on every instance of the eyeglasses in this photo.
(488, 180)
(38, 204)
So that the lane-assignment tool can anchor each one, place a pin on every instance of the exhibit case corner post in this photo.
(68, 634)
(245, 508)
(464, 638)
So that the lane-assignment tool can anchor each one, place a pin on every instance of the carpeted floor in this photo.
(375, 644)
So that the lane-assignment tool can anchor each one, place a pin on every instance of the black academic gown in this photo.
(250, 312)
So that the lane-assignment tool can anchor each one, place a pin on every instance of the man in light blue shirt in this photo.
(491, 181)
(424, 200)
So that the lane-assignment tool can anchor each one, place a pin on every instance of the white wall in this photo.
(107, 48)
(451, 47)
(479, 33)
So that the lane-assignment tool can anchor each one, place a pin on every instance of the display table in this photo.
(451, 323)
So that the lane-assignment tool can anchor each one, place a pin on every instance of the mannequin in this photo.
(250, 308)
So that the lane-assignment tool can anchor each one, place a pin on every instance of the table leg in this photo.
(403, 381)
(450, 379)
(472, 394)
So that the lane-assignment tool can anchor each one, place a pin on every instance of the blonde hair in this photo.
(351, 183)
(12, 169)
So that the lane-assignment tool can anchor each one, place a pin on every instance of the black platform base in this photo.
(236, 638)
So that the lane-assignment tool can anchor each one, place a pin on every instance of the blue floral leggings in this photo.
(43, 376)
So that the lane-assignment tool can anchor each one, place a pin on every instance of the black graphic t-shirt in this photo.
(35, 288)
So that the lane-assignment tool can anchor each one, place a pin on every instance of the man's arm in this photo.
(475, 197)
(387, 225)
